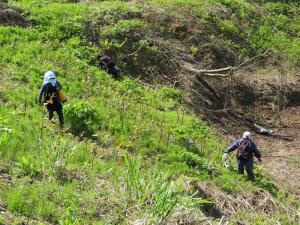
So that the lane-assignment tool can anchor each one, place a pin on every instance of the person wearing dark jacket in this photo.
(106, 63)
(246, 149)
(49, 96)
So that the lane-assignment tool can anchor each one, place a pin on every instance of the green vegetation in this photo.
(252, 28)
(83, 119)
(128, 149)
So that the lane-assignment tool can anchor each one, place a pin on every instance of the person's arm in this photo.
(232, 147)
(256, 152)
(42, 90)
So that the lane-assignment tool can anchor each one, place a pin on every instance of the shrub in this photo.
(277, 7)
(82, 117)
(228, 27)
(196, 161)
(294, 52)
(173, 93)
(123, 27)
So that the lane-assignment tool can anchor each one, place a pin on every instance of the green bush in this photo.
(277, 8)
(82, 117)
(227, 26)
(173, 93)
(200, 163)
(123, 27)
(294, 52)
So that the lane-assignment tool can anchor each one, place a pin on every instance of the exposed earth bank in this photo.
(282, 158)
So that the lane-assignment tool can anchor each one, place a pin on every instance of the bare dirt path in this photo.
(281, 159)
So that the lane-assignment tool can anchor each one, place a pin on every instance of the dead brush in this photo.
(258, 202)
(188, 216)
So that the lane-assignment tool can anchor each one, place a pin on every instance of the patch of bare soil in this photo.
(268, 98)
(277, 108)
(12, 16)
(167, 47)
(282, 158)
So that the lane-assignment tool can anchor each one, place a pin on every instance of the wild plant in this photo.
(83, 118)
(164, 201)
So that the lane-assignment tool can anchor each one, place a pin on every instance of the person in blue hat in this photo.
(49, 97)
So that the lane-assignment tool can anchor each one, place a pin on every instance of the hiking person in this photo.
(49, 92)
(246, 149)
(107, 64)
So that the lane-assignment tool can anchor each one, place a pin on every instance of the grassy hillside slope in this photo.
(130, 153)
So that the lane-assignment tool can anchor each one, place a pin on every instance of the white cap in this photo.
(247, 134)
(50, 75)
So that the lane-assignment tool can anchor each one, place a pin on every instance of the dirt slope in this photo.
(268, 97)
(275, 106)
(282, 158)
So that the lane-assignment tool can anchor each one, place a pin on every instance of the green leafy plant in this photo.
(165, 200)
(83, 118)
(133, 180)
(29, 166)
(197, 162)
(228, 27)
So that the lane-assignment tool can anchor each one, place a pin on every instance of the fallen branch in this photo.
(136, 51)
(216, 74)
(230, 69)
(252, 59)
(210, 72)
(264, 131)
(215, 70)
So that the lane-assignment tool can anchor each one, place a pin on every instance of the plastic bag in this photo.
(225, 160)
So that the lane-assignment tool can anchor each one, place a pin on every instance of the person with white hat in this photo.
(50, 94)
(246, 149)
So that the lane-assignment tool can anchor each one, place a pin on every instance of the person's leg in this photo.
(51, 114)
(113, 71)
(60, 116)
(241, 164)
(249, 169)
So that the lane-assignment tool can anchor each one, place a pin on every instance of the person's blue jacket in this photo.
(237, 143)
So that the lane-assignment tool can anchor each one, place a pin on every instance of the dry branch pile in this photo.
(226, 205)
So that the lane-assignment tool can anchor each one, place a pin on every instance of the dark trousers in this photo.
(248, 164)
(59, 112)
(113, 71)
